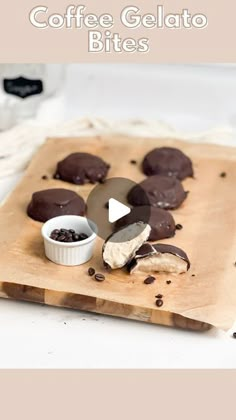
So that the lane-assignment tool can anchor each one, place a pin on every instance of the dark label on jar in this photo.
(23, 87)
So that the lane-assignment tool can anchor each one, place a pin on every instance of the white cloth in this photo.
(18, 144)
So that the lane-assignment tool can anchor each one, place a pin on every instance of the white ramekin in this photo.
(69, 253)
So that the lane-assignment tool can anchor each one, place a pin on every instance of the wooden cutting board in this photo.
(27, 275)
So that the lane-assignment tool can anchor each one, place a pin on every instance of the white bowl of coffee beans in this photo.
(69, 240)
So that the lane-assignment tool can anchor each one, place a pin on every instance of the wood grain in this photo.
(189, 302)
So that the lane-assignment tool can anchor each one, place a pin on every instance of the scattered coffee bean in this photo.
(67, 235)
(133, 162)
(178, 226)
(234, 335)
(149, 280)
(159, 296)
(159, 302)
(91, 271)
(99, 277)
(193, 275)
(168, 281)
(44, 177)
(223, 174)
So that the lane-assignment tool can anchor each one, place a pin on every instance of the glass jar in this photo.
(23, 87)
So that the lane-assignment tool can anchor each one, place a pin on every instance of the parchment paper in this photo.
(208, 236)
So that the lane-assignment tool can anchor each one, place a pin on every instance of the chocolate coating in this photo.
(174, 250)
(158, 191)
(161, 221)
(148, 250)
(47, 204)
(82, 168)
(167, 161)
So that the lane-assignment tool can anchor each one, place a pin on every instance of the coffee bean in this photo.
(57, 176)
(234, 335)
(159, 302)
(54, 236)
(63, 230)
(133, 162)
(149, 280)
(55, 231)
(168, 281)
(91, 271)
(193, 275)
(82, 236)
(71, 230)
(75, 237)
(223, 174)
(44, 177)
(99, 277)
(69, 240)
(178, 226)
(159, 296)
(61, 238)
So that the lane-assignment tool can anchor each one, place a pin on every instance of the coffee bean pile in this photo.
(67, 235)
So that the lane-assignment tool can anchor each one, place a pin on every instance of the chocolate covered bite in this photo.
(82, 168)
(158, 191)
(50, 203)
(167, 161)
(159, 258)
(161, 221)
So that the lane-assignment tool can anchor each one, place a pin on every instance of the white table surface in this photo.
(35, 336)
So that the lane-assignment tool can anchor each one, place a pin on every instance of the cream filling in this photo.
(167, 263)
(127, 242)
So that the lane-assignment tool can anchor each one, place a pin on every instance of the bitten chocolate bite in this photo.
(158, 191)
(167, 161)
(82, 168)
(161, 221)
(159, 258)
(121, 246)
(50, 203)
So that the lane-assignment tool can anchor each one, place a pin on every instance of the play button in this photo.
(107, 203)
(116, 210)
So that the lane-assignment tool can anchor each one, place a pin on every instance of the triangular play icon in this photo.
(116, 210)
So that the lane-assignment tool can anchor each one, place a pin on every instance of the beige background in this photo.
(129, 394)
(21, 42)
